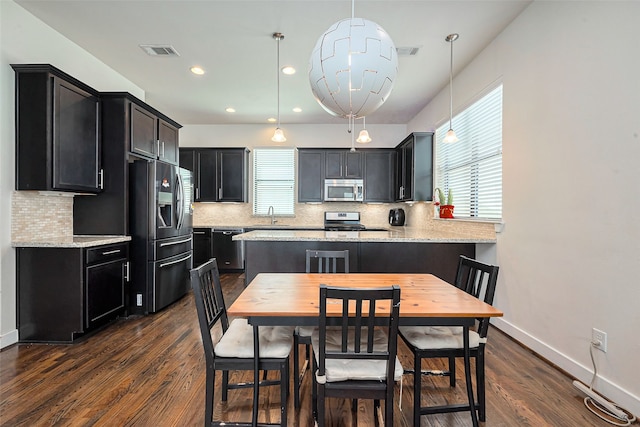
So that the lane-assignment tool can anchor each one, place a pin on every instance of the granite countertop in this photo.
(71, 242)
(401, 234)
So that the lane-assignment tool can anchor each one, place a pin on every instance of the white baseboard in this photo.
(604, 386)
(8, 339)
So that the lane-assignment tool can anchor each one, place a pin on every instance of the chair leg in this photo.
(417, 387)
(284, 392)
(296, 371)
(225, 385)
(480, 385)
(452, 371)
(314, 389)
(320, 403)
(388, 410)
(209, 391)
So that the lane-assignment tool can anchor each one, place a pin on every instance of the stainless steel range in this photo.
(345, 221)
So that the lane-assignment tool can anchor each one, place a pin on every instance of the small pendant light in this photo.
(278, 135)
(363, 136)
(451, 135)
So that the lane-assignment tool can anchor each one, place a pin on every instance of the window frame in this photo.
(286, 208)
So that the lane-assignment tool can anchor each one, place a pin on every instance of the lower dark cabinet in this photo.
(63, 293)
(202, 249)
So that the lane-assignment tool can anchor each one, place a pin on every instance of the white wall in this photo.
(25, 39)
(570, 249)
(325, 136)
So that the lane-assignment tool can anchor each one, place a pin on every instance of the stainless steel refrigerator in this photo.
(161, 230)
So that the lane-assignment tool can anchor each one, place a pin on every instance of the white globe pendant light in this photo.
(353, 68)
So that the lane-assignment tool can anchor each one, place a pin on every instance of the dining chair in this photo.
(234, 349)
(479, 280)
(354, 350)
(316, 262)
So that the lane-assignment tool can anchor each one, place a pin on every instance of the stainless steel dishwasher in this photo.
(229, 253)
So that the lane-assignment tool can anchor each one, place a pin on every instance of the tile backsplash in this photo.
(37, 215)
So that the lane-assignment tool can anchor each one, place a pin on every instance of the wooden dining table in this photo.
(292, 299)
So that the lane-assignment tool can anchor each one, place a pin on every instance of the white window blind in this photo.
(273, 180)
(472, 167)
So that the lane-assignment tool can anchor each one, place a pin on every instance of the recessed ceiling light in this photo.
(230, 110)
(288, 70)
(197, 70)
(271, 120)
(297, 110)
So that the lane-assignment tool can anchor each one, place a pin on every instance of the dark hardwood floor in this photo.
(149, 371)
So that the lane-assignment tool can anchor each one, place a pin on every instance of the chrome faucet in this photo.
(271, 212)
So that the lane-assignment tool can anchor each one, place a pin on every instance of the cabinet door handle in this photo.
(158, 147)
(164, 264)
(220, 193)
(115, 251)
(127, 270)
(162, 245)
(199, 232)
(101, 179)
(162, 149)
(198, 193)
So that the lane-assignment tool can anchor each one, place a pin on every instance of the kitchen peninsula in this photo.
(400, 250)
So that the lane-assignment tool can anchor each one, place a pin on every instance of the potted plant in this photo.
(446, 206)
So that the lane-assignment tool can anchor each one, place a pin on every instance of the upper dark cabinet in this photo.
(219, 174)
(168, 142)
(58, 140)
(414, 170)
(379, 169)
(343, 164)
(147, 132)
(311, 165)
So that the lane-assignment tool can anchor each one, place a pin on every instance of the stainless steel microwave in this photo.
(343, 190)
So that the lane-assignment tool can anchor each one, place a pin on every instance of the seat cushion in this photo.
(305, 331)
(237, 341)
(354, 369)
(437, 337)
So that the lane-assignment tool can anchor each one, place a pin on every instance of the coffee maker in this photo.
(396, 217)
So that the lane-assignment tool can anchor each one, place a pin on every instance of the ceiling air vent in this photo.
(408, 50)
(159, 50)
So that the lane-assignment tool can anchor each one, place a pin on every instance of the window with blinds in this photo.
(273, 180)
(472, 167)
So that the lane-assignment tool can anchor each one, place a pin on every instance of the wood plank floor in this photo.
(149, 371)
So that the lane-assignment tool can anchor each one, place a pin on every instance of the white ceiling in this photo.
(232, 40)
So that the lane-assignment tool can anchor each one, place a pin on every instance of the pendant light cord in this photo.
(451, 84)
(278, 37)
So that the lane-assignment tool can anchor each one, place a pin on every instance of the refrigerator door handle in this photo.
(165, 264)
(179, 201)
(162, 245)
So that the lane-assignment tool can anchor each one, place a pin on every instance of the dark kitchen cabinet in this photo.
(202, 246)
(168, 142)
(379, 175)
(310, 175)
(343, 164)
(414, 169)
(220, 174)
(127, 123)
(58, 140)
(149, 133)
(84, 289)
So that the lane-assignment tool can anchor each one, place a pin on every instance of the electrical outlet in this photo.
(139, 300)
(599, 339)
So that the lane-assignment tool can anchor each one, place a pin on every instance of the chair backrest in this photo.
(207, 292)
(479, 280)
(360, 314)
(327, 261)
